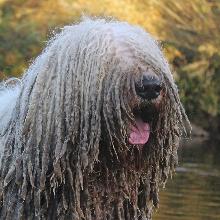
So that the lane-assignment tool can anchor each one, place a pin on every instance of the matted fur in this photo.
(65, 153)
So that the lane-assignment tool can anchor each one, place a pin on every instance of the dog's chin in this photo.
(141, 130)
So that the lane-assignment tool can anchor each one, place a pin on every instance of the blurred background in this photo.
(189, 32)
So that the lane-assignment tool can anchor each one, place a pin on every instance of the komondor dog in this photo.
(91, 130)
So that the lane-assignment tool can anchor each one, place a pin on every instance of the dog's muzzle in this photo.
(149, 88)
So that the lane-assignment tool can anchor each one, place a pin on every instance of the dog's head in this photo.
(137, 100)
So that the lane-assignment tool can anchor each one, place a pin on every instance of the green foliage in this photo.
(24, 26)
(192, 28)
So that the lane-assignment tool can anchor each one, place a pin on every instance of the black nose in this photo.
(149, 88)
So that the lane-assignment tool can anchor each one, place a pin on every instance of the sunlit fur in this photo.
(64, 128)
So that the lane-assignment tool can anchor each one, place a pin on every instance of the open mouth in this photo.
(139, 132)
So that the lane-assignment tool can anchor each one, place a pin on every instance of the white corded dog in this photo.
(91, 130)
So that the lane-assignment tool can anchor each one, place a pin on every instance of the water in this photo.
(194, 191)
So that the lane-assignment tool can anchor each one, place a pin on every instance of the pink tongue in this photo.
(139, 133)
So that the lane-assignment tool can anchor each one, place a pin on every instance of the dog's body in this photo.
(92, 128)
